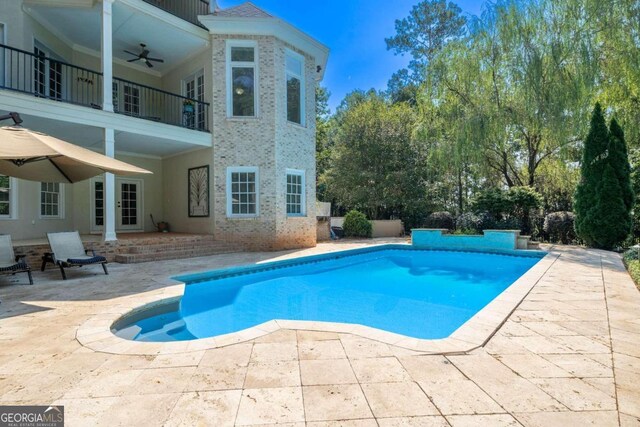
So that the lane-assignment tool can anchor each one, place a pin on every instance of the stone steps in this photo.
(167, 252)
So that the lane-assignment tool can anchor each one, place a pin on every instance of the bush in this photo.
(469, 223)
(630, 255)
(442, 220)
(559, 227)
(356, 224)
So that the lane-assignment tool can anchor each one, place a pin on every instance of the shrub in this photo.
(469, 223)
(442, 220)
(559, 227)
(356, 224)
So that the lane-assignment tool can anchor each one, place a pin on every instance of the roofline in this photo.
(270, 26)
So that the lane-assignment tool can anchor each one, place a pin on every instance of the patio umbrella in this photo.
(35, 156)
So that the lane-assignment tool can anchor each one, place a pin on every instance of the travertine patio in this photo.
(569, 355)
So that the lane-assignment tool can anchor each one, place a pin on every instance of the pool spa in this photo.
(417, 293)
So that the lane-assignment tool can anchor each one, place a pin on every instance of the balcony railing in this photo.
(45, 77)
(185, 9)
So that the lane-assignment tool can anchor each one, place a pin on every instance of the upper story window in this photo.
(242, 73)
(7, 197)
(51, 196)
(242, 192)
(295, 87)
(295, 193)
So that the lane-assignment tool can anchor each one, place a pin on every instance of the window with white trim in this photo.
(242, 192)
(295, 87)
(7, 197)
(242, 73)
(295, 192)
(51, 200)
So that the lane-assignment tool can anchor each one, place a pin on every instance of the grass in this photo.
(633, 267)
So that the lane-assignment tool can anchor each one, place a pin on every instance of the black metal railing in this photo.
(185, 9)
(44, 77)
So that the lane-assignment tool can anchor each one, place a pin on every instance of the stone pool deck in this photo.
(569, 355)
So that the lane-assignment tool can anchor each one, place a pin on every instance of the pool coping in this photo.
(96, 333)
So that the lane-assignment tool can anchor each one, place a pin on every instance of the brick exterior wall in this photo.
(268, 142)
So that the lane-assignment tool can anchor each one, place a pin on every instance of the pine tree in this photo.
(618, 158)
(611, 218)
(592, 170)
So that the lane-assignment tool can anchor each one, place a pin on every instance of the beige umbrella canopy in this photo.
(35, 156)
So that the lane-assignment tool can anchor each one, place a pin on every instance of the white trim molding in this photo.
(222, 25)
(229, 194)
(290, 54)
(13, 200)
(303, 195)
(230, 65)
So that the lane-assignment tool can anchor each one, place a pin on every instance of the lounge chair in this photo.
(67, 251)
(9, 262)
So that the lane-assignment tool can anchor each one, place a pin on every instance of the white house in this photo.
(226, 121)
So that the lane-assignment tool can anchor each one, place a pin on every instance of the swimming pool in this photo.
(424, 294)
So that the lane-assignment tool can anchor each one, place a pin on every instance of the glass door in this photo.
(128, 207)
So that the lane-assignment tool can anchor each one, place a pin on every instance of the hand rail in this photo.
(45, 77)
(185, 9)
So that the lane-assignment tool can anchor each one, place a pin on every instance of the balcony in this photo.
(184, 9)
(44, 77)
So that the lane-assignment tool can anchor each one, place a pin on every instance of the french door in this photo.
(47, 74)
(194, 89)
(129, 205)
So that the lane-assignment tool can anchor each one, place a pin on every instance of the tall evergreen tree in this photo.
(611, 219)
(619, 159)
(592, 171)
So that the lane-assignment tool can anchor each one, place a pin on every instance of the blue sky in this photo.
(355, 31)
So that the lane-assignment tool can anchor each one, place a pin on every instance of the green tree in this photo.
(592, 171)
(378, 166)
(611, 218)
(323, 138)
(618, 157)
(431, 24)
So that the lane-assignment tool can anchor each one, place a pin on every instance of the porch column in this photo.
(109, 232)
(107, 56)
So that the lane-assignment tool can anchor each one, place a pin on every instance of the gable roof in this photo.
(244, 10)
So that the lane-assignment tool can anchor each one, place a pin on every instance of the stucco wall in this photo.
(175, 191)
(27, 224)
(77, 204)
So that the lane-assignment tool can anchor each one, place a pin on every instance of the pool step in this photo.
(183, 248)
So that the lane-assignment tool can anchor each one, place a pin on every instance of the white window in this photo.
(8, 199)
(295, 193)
(242, 192)
(242, 75)
(193, 113)
(51, 200)
(295, 87)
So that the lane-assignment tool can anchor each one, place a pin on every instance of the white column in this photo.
(107, 56)
(109, 232)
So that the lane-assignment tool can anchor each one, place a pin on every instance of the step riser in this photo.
(137, 258)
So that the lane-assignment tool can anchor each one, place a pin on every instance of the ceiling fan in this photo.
(143, 56)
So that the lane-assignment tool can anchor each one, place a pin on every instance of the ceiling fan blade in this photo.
(130, 53)
(144, 53)
(155, 59)
(134, 60)
(149, 64)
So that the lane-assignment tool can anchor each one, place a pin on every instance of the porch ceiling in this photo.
(91, 137)
(134, 22)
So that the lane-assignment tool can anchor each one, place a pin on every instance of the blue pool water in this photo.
(419, 293)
